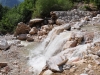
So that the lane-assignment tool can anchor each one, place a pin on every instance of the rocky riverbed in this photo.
(72, 48)
(13, 60)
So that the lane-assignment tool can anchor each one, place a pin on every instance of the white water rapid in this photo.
(52, 46)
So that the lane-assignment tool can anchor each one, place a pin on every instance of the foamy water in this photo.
(51, 50)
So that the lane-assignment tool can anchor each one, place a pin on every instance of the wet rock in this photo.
(4, 44)
(70, 44)
(67, 26)
(3, 64)
(22, 28)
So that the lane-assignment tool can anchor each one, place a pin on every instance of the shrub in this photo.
(43, 7)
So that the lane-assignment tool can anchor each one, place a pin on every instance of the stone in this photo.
(37, 22)
(22, 37)
(59, 22)
(3, 64)
(22, 28)
(4, 44)
(30, 39)
(48, 72)
(67, 26)
(70, 44)
(33, 31)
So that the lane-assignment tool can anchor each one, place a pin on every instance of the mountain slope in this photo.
(10, 3)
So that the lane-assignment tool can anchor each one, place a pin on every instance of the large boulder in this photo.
(33, 31)
(22, 37)
(36, 22)
(3, 44)
(22, 28)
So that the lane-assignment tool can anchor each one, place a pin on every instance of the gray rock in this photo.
(3, 44)
(22, 37)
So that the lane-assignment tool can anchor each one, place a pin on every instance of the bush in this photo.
(9, 21)
(16, 14)
(43, 7)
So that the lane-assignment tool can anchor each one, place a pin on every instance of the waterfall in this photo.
(50, 50)
(49, 47)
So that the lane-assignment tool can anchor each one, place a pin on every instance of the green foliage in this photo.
(43, 7)
(96, 2)
(9, 20)
(9, 17)
(16, 14)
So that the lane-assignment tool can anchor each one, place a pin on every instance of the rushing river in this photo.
(51, 46)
